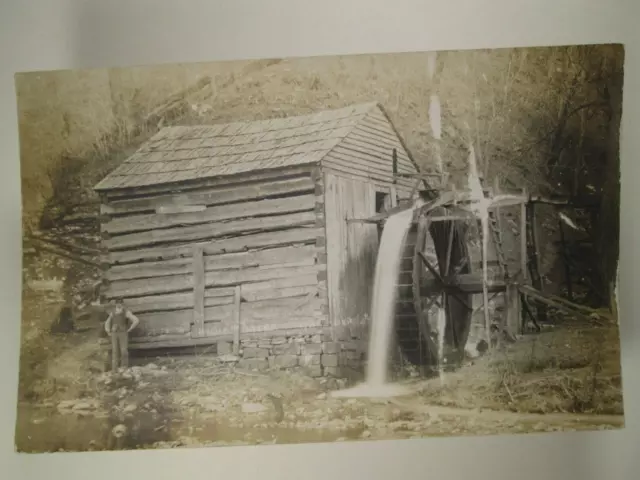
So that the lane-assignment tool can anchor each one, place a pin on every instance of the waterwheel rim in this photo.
(443, 246)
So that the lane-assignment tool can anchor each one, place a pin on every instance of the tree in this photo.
(608, 236)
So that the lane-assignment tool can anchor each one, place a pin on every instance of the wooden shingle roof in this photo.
(183, 153)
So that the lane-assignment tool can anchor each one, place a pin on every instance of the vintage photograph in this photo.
(323, 249)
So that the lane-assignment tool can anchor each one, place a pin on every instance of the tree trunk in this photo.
(608, 232)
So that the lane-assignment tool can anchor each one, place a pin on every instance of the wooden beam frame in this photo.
(571, 308)
(464, 284)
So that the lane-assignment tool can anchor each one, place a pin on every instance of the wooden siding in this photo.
(179, 271)
(225, 278)
(354, 171)
(178, 192)
(367, 153)
(351, 247)
(219, 203)
(302, 235)
(209, 230)
(227, 261)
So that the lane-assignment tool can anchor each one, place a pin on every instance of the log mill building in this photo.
(237, 234)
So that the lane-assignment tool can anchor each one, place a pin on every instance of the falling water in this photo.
(435, 116)
(384, 295)
(435, 120)
(387, 269)
(383, 308)
(480, 207)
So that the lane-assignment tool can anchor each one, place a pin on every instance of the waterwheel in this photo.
(433, 311)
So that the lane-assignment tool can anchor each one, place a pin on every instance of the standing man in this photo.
(118, 328)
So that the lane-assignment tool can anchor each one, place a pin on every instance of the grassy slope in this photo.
(573, 370)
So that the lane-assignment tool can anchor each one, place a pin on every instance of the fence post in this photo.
(513, 311)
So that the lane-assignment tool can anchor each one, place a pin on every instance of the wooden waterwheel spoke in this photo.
(460, 266)
(433, 302)
(447, 265)
(440, 280)
(461, 301)
(431, 268)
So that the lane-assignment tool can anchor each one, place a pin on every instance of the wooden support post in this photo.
(198, 292)
(236, 323)
(534, 269)
(393, 194)
(415, 189)
(524, 253)
(513, 310)
(571, 308)
(395, 164)
(496, 191)
(565, 261)
(485, 290)
(535, 245)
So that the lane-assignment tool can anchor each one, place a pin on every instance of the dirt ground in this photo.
(566, 378)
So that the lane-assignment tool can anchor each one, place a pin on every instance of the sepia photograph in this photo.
(320, 249)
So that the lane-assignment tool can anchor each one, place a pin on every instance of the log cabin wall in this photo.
(178, 268)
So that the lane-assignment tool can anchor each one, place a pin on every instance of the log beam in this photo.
(461, 284)
(566, 306)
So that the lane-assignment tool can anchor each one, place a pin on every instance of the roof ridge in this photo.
(368, 105)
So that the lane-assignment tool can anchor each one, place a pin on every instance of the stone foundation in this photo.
(340, 353)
